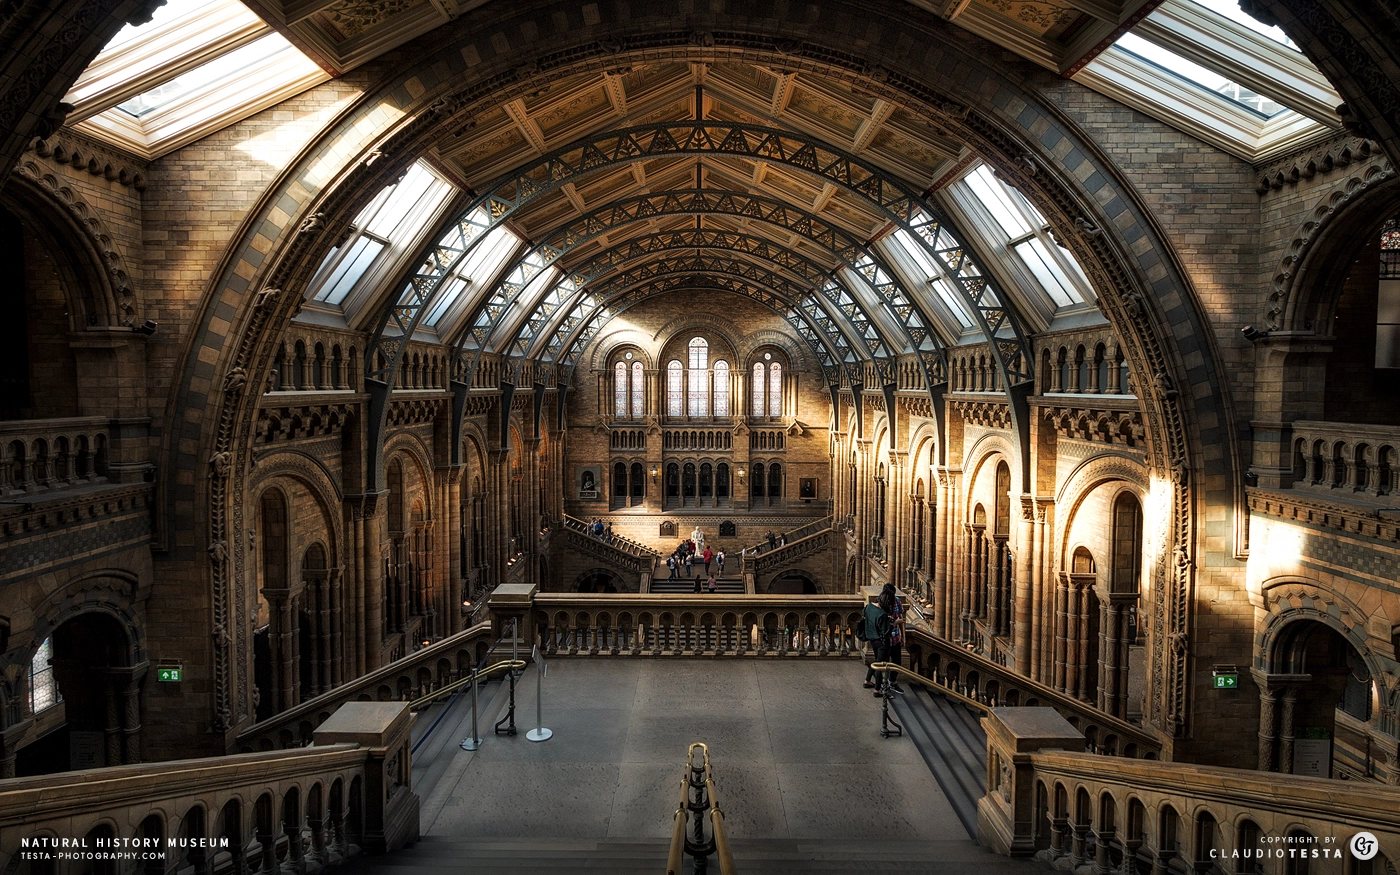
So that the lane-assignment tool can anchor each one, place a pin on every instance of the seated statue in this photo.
(699, 538)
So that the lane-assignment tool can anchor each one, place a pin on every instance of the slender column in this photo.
(111, 729)
(335, 600)
(1268, 728)
(373, 590)
(131, 713)
(1023, 603)
(1285, 744)
(945, 552)
(451, 547)
(1085, 677)
(1062, 609)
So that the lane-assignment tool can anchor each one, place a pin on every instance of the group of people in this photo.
(602, 532)
(775, 541)
(689, 554)
(881, 623)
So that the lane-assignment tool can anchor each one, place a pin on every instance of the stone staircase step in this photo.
(952, 744)
(778, 856)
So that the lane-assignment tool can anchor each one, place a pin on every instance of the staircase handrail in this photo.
(314, 710)
(701, 780)
(1079, 712)
(626, 545)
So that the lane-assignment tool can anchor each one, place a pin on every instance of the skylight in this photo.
(1176, 65)
(1012, 229)
(218, 71)
(1231, 10)
(391, 223)
(195, 67)
(932, 276)
(477, 270)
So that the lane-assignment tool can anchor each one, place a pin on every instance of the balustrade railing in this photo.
(283, 811)
(567, 624)
(718, 439)
(416, 675)
(617, 542)
(1073, 808)
(1343, 458)
(787, 538)
(39, 455)
(989, 682)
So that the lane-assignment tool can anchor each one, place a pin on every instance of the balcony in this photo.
(1348, 461)
(43, 456)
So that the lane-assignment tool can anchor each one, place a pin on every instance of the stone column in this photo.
(1288, 705)
(1024, 600)
(1062, 615)
(1268, 728)
(373, 589)
(896, 526)
(390, 815)
(451, 549)
(335, 600)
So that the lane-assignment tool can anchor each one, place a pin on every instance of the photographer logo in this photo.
(1364, 846)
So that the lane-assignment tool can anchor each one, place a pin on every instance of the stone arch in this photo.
(1026, 146)
(1290, 599)
(1307, 282)
(313, 475)
(107, 591)
(605, 345)
(105, 293)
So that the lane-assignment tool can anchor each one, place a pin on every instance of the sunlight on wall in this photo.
(1275, 548)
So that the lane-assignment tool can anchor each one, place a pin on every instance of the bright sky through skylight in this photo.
(1231, 10)
(1192, 72)
(222, 69)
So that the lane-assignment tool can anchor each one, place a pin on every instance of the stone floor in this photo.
(795, 748)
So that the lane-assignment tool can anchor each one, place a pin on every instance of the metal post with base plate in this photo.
(473, 741)
(539, 733)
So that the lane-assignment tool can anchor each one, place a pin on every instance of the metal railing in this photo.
(698, 797)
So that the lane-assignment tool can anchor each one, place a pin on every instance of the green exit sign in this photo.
(170, 675)
(1226, 681)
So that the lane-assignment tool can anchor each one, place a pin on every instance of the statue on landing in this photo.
(699, 538)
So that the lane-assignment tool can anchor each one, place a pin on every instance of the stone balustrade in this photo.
(720, 438)
(412, 677)
(284, 811)
(980, 678)
(1343, 458)
(627, 546)
(696, 625)
(1046, 796)
(44, 455)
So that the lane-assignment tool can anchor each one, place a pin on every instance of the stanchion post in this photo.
(474, 740)
(539, 733)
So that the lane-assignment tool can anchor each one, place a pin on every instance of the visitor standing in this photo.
(708, 557)
(772, 541)
(719, 557)
(875, 629)
(671, 564)
(712, 585)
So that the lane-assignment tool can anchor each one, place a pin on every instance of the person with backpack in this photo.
(890, 601)
(671, 565)
(874, 627)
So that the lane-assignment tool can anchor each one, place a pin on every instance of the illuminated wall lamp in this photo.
(654, 472)
(741, 473)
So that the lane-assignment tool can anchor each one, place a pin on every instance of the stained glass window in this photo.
(638, 391)
(721, 388)
(620, 390)
(43, 687)
(775, 389)
(699, 397)
(758, 387)
(675, 404)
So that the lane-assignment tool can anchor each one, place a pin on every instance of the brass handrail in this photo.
(932, 684)
(719, 840)
(420, 704)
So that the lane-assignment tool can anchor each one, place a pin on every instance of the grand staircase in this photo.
(953, 744)
(683, 584)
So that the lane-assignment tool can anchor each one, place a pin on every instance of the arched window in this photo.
(759, 396)
(674, 403)
(707, 483)
(775, 481)
(619, 489)
(43, 686)
(1003, 501)
(721, 388)
(722, 483)
(698, 396)
(688, 483)
(1127, 543)
(756, 490)
(639, 395)
(775, 389)
(620, 390)
(638, 484)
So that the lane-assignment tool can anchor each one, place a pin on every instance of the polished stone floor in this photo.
(795, 746)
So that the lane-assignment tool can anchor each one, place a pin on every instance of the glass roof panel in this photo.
(998, 201)
(933, 276)
(349, 271)
(1231, 10)
(479, 269)
(418, 186)
(1173, 64)
(1048, 272)
(224, 69)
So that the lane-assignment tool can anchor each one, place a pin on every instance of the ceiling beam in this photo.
(526, 125)
(865, 134)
